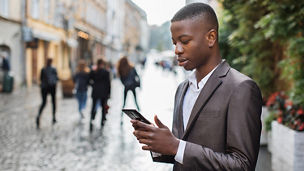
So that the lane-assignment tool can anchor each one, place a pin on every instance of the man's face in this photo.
(190, 37)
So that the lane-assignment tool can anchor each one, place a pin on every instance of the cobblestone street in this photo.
(69, 146)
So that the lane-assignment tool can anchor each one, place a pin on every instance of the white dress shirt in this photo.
(190, 98)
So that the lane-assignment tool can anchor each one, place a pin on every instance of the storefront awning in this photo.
(46, 35)
(72, 43)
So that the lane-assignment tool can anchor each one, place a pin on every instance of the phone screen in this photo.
(134, 114)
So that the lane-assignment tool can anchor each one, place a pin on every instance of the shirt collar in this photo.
(193, 82)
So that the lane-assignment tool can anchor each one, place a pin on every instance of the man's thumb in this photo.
(158, 122)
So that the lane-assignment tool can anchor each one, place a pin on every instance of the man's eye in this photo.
(185, 42)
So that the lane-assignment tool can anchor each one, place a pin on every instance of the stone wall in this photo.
(287, 148)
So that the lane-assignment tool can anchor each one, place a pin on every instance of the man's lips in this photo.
(182, 61)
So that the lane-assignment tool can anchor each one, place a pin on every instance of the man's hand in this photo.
(159, 140)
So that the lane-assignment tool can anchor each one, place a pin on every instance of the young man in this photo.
(101, 84)
(216, 122)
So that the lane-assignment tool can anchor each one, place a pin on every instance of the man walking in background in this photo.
(101, 84)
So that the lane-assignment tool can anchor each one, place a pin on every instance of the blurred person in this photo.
(217, 110)
(1, 71)
(81, 80)
(129, 78)
(143, 62)
(5, 64)
(101, 84)
(48, 78)
(112, 69)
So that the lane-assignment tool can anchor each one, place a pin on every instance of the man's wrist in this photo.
(179, 156)
(175, 146)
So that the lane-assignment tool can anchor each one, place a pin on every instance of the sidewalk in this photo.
(69, 146)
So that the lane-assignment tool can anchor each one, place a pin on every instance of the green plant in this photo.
(268, 39)
(271, 117)
(285, 112)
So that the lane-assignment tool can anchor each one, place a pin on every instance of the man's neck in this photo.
(200, 74)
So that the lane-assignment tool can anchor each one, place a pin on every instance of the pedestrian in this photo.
(5, 64)
(81, 80)
(48, 78)
(129, 78)
(1, 72)
(216, 119)
(101, 84)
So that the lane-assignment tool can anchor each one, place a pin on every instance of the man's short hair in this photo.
(49, 61)
(100, 61)
(194, 10)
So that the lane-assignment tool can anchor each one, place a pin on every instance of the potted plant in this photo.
(287, 141)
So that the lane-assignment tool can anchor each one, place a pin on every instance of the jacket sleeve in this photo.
(168, 158)
(109, 84)
(55, 72)
(42, 75)
(243, 135)
(91, 78)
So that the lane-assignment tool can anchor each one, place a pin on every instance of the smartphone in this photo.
(134, 114)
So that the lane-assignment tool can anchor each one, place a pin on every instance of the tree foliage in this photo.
(267, 40)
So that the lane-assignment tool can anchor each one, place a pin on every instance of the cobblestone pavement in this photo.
(68, 145)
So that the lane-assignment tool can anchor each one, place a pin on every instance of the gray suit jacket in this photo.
(223, 131)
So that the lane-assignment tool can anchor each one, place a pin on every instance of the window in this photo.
(46, 7)
(58, 16)
(35, 9)
(4, 6)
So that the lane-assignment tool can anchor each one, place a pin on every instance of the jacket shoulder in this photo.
(237, 77)
(235, 80)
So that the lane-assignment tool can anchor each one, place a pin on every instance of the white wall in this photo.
(11, 36)
(115, 18)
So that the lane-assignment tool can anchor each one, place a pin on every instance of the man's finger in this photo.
(143, 134)
(145, 141)
(143, 126)
(159, 123)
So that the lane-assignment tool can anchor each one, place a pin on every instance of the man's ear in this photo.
(211, 37)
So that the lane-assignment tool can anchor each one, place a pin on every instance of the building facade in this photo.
(135, 31)
(11, 45)
(115, 30)
(46, 36)
(67, 31)
(90, 27)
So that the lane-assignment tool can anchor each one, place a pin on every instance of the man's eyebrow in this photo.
(183, 35)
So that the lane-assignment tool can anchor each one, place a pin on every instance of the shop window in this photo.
(4, 6)
(35, 9)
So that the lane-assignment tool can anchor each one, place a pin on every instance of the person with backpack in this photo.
(129, 79)
(48, 78)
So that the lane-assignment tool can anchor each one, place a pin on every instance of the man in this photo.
(101, 84)
(216, 122)
(48, 78)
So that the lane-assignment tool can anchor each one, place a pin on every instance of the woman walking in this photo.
(129, 78)
(81, 80)
(48, 78)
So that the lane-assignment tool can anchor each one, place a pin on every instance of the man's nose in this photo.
(179, 49)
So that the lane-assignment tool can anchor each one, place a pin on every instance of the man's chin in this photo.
(188, 68)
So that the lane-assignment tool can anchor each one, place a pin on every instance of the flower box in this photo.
(287, 148)
(264, 132)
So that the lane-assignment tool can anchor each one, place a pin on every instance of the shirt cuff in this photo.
(180, 152)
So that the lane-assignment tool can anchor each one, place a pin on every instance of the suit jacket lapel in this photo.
(206, 93)
(179, 116)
